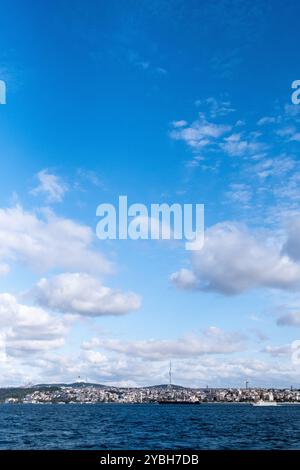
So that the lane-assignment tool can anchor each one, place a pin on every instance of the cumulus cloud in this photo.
(212, 341)
(28, 329)
(234, 260)
(184, 279)
(82, 294)
(51, 186)
(44, 242)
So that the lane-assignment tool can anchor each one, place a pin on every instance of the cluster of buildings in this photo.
(159, 394)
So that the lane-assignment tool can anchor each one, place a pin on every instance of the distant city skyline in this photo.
(160, 394)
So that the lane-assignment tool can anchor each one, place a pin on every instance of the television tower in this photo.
(170, 374)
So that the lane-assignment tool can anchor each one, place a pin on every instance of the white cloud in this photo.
(277, 351)
(82, 294)
(200, 133)
(51, 186)
(266, 120)
(90, 177)
(216, 108)
(205, 359)
(180, 123)
(212, 341)
(46, 242)
(137, 365)
(236, 146)
(28, 329)
(239, 193)
(289, 132)
(184, 279)
(127, 370)
(233, 260)
(274, 167)
(291, 110)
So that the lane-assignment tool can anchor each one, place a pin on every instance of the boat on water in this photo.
(264, 403)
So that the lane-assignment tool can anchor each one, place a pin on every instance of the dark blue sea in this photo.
(119, 426)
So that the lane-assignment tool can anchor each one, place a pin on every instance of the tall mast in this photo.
(170, 374)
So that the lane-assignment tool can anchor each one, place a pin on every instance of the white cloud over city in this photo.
(82, 294)
(43, 241)
(235, 259)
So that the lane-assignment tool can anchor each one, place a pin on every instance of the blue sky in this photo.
(162, 101)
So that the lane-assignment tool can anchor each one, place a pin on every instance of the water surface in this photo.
(120, 426)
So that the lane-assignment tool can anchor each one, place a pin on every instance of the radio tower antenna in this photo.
(170, 374)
